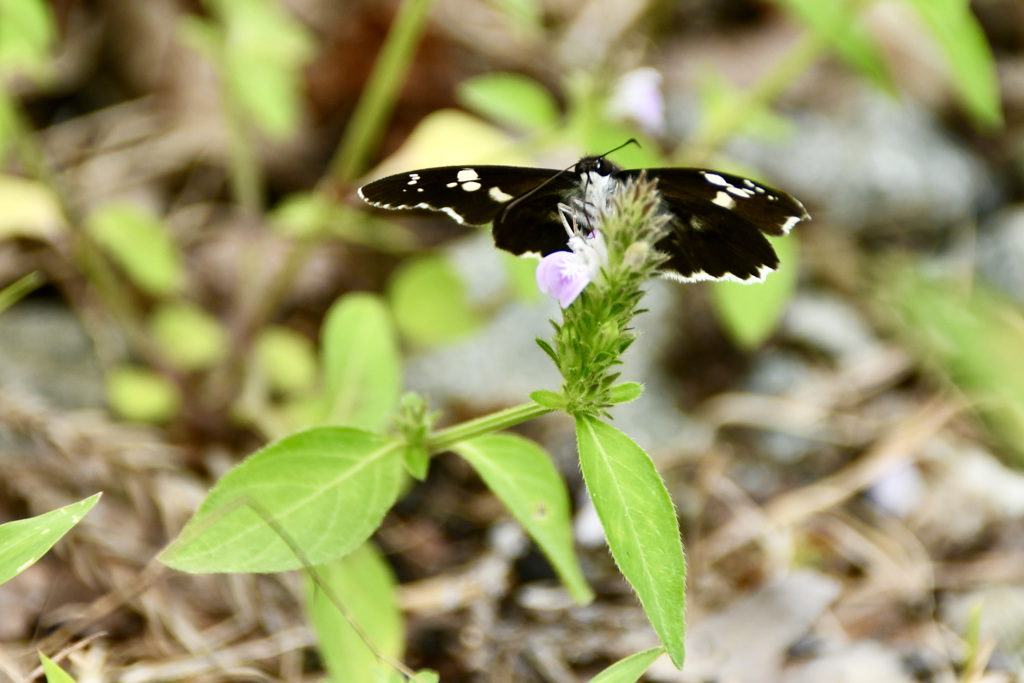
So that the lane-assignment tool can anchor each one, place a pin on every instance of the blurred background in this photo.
(843, 443)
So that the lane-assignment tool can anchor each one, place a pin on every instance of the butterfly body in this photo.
(717, 233)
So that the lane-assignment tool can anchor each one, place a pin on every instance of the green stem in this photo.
(364, 131)
(19, 289)
(246, 173)
(488, 424)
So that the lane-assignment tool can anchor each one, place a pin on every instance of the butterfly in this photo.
(718, 228)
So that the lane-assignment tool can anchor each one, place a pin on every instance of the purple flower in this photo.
(563, 275)
(637, 96)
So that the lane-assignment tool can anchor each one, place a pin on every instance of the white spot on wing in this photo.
(790, 222)
(497, 195)
(724, 200)
(471, 186)
(466, 175)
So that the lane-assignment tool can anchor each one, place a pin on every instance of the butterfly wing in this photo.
(531, 224)
(471, 195)
(720, 224)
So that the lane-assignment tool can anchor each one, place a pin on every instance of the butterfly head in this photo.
(599, 165)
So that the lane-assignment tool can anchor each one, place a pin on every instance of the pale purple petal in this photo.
(562, 275)
(637, 96)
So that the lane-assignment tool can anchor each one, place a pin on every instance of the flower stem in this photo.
(503, 419)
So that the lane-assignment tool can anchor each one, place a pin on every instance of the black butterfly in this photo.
(718, 232)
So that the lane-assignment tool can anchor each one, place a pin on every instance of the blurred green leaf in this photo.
(364, 584)
(719, 97)
(970, 59)
(29, 209)
(510, 99)
(261, 50)
(640, 525)
(24, 541)
(522, 276)
(27, 34)
(520, 473)
(189, 337)
(361, 363)
(750, 313)
(54, 674)
(8, 123)
(525, 16)
(287, 359)
(265, 49)
(307, 215)
(322, 491)
(429, 301)
(140, 243)
(141, 395)
(630, 669)
(838, 25)
(973, 340)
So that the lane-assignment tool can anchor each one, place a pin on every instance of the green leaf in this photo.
(24, 541)
(54, 674)
(362, 368)
(309, 215)
(970, 59)
(510, 99)
(522, 276)
(189, 337)
(625, 392)
(838, 24)
(140, 243)
(640, 525)
(751, 312)
(27, 34)
(264, 50)
(323, 491)
(29, 209)
(520, 473)
(287, 359)
(546, 348)
(972, 340)
(719, 98)
(417, 462)
(430, 303)
(8, 122)
(142, 395)
(364, 585)
(548, 399)
(630, 669)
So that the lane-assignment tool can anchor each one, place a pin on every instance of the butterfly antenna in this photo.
(540, 187)
(523, 197)
(627, 143)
